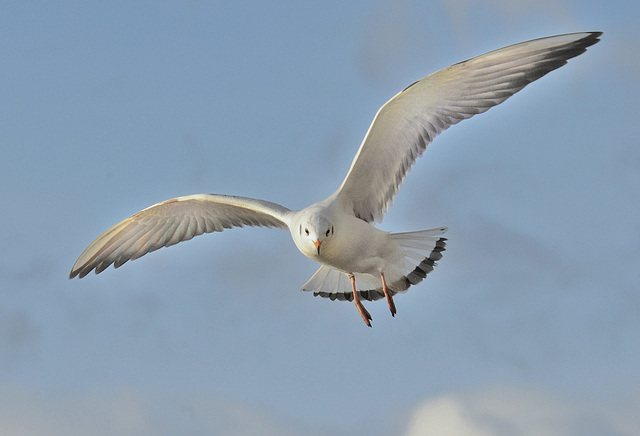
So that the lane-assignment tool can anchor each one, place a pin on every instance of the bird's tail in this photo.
(422, 249)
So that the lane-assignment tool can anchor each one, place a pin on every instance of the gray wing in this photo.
(173, 221)
(406, 124)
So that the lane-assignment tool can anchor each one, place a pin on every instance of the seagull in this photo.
(358, 261)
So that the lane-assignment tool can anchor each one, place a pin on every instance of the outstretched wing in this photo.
(173, 221)
(406, 124)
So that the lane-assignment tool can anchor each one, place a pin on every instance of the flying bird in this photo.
(358, 261)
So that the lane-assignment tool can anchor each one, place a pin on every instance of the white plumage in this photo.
(358, 260)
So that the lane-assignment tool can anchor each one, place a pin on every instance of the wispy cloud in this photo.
(388, 39)
(18, 335)
(463, 14)
(28, 412)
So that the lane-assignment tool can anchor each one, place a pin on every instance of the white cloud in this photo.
(521, 411)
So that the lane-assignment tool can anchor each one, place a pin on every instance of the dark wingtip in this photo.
(79, 272)
(592, 38)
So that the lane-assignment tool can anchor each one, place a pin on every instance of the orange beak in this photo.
(317, 243)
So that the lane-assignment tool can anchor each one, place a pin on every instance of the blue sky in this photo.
(529, 324)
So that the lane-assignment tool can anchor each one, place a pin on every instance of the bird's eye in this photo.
(306, 231)
(328, 231)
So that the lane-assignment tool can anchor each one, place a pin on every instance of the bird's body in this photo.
(358, 260)
(344, 250)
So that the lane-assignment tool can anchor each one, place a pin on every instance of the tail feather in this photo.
(422, 249)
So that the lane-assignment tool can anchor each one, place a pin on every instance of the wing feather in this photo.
(406, 124)
(172, 221)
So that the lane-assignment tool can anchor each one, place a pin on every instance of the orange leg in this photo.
(388, 296)
(366, 317)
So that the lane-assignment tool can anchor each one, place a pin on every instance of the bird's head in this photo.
(312, 232)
